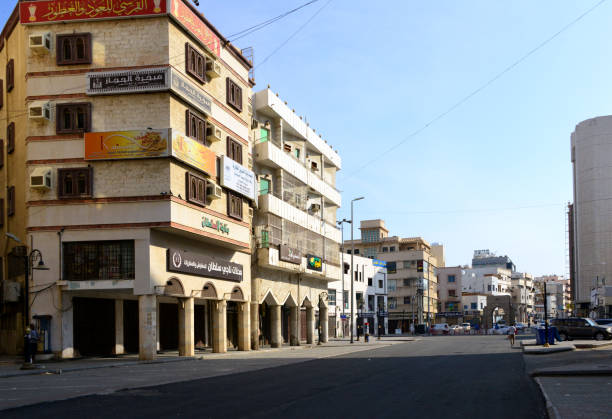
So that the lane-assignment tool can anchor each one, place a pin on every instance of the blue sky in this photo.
(495, 173)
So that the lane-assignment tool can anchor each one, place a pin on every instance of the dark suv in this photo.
(581, 328)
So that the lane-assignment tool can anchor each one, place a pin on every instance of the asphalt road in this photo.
(437, 377)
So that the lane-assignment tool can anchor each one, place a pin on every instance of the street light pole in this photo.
(341, 224)
(352, 274)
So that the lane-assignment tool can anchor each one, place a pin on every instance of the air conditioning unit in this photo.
(213, 134)
(40, 43)
(40, 111)
(287, 147)
(213, 191)
(254, 123)
(41, 178)
(250, 212)
(213, 69)
(314, 165)
(315, 208)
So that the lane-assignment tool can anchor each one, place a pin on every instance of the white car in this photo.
(502, 330)
(440, 329)
(456, 329)
(466, 326)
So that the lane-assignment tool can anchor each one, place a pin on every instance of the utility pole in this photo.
(341, 224)
(352, 274)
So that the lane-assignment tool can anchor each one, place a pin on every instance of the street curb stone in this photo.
(552, 411)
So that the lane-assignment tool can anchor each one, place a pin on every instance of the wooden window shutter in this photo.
(1, 212)
(10, 75)
(10, 195)
(1, 153)
(10, 137)
(1, 93)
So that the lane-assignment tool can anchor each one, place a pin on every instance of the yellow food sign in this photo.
(127, 144)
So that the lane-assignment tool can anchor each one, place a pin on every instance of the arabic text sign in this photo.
(188, 19)
(193, 153)
(191, 93)
(290, 254)
(131, 81)
(237, 178)
(62, 10)
(202, 265)
(127, 144)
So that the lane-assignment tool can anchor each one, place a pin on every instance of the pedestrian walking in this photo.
(511, 333)
(412, 329)
(34, 338)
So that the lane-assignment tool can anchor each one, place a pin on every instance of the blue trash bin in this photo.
(540, 335)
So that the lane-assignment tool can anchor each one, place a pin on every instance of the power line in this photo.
(477, 210)
(293, 35)
(480, 88)
(255, 28)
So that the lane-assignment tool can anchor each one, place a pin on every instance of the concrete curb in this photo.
(569, 373)
(596, 345)
(540, 350)
(552, 411)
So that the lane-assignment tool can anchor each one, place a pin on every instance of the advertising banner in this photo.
(289, 254)
(133, 144)
(202, 265)
(194, 154)
(191, 93)
(379, 263)
(238, 178)
(192, 22)
(63, 10)
(314, 263)
(128, 81)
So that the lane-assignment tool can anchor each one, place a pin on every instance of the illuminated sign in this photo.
(133, 144)
(202, 265)
(215, 225)
(131, 81)
(314, 262)
(194, 154)
(379, 263)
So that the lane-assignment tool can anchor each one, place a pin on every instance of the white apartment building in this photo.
(369, 278)
(297, 250)
(523, 294)
(487, 280)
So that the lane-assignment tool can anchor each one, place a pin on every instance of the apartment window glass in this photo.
(385, 249)
(10, 75)
(370, 252)
(407, 300)
(380, 283)
(392, 301)
(234, 150)
(488, 287)
(85, 261)
(73, 118)
(369, 282)
(264, 186)
(195, 63)
(474, 306)
(392, 249)
(331, 297)
(391, 285)
(10, 201)
(234, 206)
(406, 282)
(73, 49)
(10, 138)
(75, 183)
(345, 299)
(195, 189)
(452, 293)
(234, 94)
(391, 267)
(451, 278)
(370, 236)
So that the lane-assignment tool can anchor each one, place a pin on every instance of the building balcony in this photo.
(270, 203)
(269, 154)
(269, 258)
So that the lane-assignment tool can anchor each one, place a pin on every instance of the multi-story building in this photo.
(449, 293)
(297, 241)
(523, 294)
(486, 258)
(559, 287)
(369, 278)
(412, 272)
(487, 280)
(127, 166)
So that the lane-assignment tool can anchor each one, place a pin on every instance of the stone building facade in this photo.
(132, 173)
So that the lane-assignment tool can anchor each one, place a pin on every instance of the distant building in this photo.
(485, 257)
(523, 295)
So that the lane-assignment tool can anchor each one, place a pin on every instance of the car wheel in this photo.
(563, 337)
(599, 336)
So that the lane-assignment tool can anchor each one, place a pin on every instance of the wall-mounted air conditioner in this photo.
(40, 111)
(41, 178)
(40, 43)
(213, 69)
(213, 134)
(314, 165)
(250, 212)
(213, 191)
(315, 208)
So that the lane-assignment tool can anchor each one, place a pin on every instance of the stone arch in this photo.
(174, 287)
(290, 301)
(306, 302)
(209, 292)
(498, 301)
(270, 299)
(237, 294)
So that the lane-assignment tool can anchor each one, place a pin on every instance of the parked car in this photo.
(520, 326)
(440, 329)
(466, 326)
(603, 322)
(581, 328)
(455, 329)
(501, 330)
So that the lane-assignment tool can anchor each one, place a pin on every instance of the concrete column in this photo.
(67, 326)
(244, 331)
(323, 317)
(310, 325)
(119, 348)
(276, 338)
(294, 330)
(219, 311)
(186, 327)
(158, 344)
(254, 326)
(147, 327)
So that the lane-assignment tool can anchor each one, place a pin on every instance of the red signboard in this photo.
(63, 10)
(192, 22)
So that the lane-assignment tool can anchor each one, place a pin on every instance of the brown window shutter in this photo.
(11, 201)
(10, 75)
(1, 93)
(10, 134)
(228, 88)
(238, 97)
(229, 150)
(1, 153)
(1, 212)
(239, 153)
(187, 123)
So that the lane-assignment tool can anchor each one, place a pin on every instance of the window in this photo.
(488, 287)
(407, 264)
(370, 252)
(385, 249)
(195, 63)
(392, 249)
(264, 186)
(296, 151)
(406, 282)
(380, 283)
(369, 282)
(391, 284)
(234, 150)
(10, 75)
(73, 118)
(452, 293)
(218, 169)
(234, 94)
(10, 138)
(370, 236)
(451, 278)
(465, 306)
(1, 212)
(195, 127)
(356, 251)
(392, 302)
(348, 251)
(86, 261)
(331, 297)
(234, 206)
(407, 300)
(73, 49)
(195, 189)
(1, 153)
(474, 306)
(391, 267)
(356, 274)
(1, 93)
(10, 201)
(75, 183)
(345, 299)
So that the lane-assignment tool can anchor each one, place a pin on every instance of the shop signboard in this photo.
(128, 81)
(134, 144)
(238, 178)
(66, 10)
(314, 263)
(379, 263)
(201, 265)
(290, 254)
(193, 153)
(189, 20)
(191, 93)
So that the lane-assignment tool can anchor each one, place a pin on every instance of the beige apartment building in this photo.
(127, 168)
(412, 264)
(297, 252)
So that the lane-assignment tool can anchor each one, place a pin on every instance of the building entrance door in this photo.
(94, 326)
(232, 324)
(168, 326)
(130, 326)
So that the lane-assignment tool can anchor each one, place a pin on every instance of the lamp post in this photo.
(341, 224)
(352, 274)
(29, 264)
